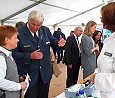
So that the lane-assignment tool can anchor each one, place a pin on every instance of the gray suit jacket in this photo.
(88, 58)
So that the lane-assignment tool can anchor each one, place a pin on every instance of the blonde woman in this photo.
(88, 48)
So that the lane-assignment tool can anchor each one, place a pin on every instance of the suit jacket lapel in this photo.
(75, 41)
(40, 33)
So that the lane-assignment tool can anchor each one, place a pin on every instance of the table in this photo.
(82, 81)
(62, 95)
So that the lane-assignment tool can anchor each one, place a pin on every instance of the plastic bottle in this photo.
(81, 94)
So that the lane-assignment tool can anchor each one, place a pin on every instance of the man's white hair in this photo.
(36, 15)
(76, 28)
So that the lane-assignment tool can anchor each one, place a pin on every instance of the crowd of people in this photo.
(25, 49)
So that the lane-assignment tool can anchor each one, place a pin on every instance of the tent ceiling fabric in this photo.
(8, 7)
(54, 11)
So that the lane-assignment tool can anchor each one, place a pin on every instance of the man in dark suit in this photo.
(32, 54)
(72, 57)
(59, 50)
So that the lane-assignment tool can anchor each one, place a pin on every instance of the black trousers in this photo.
(72, 77)
(39, 90)
(2, 94)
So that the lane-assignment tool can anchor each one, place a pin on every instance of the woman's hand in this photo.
(23, 85)
(93, 77)
(96, 47)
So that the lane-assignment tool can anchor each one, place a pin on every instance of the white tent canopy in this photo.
(56, 12)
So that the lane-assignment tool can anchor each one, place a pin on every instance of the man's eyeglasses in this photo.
(80, 30)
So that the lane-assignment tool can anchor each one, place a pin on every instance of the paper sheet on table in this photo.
(27, 81)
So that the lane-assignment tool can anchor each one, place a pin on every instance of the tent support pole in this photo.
(24, 9)
(79, 14)
(60, 7)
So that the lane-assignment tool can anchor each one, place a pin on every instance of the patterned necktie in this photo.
(78, 45)
(77, 40)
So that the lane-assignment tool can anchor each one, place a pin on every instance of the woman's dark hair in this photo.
(95, 33)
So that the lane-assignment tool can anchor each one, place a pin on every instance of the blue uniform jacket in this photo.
(28, 44)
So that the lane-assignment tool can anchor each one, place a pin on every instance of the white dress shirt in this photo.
(33, 32)
(77, 40)
(4, 83)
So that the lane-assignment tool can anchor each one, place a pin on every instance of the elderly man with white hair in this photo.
(33, 54)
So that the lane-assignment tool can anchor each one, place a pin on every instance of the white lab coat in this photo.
(105, 78)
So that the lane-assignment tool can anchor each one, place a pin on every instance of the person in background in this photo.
(72, 57)
(59, 50)
(19, 24)
(104, 80)
(9, 80)
(97, 38)
(88, 48)
(32, 54)
(72, 32)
